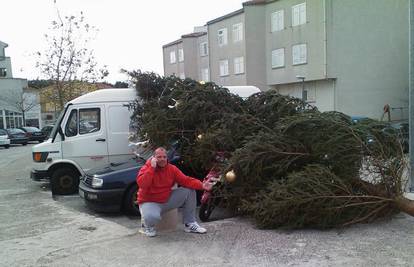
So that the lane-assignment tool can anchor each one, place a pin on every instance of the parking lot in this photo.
(37, 229)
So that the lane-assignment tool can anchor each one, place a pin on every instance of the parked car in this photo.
(4, 139)
(113, 188)
(46, 130)
(34, 134)
(17, 136)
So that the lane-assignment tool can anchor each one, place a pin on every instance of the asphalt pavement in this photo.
(39, 230)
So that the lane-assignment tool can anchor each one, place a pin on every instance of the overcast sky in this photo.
(131, 32)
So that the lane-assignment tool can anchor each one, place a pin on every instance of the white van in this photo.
(92, 130)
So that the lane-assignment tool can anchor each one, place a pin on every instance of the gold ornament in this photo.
(230, 176)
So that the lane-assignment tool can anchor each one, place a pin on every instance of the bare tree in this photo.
(20, 101)
(68, 57)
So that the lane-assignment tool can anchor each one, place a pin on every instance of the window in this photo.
(277, 21)
(3, 72)
(172, 57)
(237, 32)
(180, 55)
(278, 58)
(182, 76)
(224, 67)
(299, 14)
(203, 49)
(222, 37)
(238, 65)
(89, 120)
(205, 75)
(71, 128)
(299, 54)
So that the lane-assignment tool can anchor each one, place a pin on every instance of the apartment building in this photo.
(349, 56)
(188, 56)
(236, 47)
(11, 92)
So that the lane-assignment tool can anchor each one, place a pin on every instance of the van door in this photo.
(118, 116)
(85, 136)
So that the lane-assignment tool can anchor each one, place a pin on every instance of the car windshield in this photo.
(15, 131)
(31, 129)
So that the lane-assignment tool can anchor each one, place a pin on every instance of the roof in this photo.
(189, 35)
(232, 14)
(3, 44)
(107, 95)
(173, 43)
(255, 2)
(194, 34)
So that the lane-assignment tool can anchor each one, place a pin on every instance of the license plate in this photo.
(81, 194)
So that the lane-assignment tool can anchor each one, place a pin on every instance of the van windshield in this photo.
(57, 124)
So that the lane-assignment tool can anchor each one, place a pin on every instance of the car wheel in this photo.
(65, 181)
(130, 204)
(24, 144)
(7, 146)
(40, 141)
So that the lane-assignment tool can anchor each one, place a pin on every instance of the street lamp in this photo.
(299, 77)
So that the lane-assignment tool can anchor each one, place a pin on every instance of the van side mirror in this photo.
(62, 135)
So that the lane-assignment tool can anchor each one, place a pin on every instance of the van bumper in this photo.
(39, 175)
(101, 200)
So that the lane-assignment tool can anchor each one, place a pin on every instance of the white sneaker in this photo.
(194, 228)
(148, 231)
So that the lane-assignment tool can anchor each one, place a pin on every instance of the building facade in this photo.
(348, 56)
(11, 93)
(188, 56)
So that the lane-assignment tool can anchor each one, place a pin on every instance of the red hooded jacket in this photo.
(154, 185)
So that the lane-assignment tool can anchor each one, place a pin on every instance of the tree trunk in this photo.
(405, 205)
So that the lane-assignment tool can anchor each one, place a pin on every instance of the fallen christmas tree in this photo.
(295, 166)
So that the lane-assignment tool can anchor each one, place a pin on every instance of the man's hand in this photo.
(153, 162)
(208, 185)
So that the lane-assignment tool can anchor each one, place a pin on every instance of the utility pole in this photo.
(411, 93)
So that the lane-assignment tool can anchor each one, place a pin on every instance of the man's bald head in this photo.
(161, 155)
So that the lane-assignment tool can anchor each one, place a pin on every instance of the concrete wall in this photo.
(229, 51)
(311, 33)
(255, 30)
(367, 52)
(190, 58)
(320, 93)
(11, 90)
(202, 61)
(177, 67)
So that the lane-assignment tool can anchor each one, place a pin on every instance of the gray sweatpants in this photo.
(180, 197)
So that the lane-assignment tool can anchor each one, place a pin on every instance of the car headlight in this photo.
(97, 182)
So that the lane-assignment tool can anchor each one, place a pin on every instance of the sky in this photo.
(131, 32)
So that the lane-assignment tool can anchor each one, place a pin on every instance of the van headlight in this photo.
(97, 182)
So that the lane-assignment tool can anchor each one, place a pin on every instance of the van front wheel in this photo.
(65, 181)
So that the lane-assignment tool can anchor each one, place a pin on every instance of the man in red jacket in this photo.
(156, 196)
